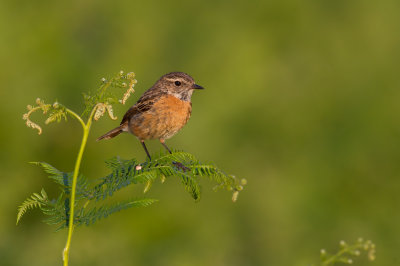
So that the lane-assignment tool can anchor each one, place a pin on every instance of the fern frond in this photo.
(94, 214)
(124, 173)
(145, 176)
(177, 156)
(166, 170)
(118, 163)
(34, 201)
(57, 114)
(191, 185)
(65, 179)
(82, 186)
(214, 174)
(53, 172)
(164, 165)
(104, 95)
(180, 164)
(58, 212)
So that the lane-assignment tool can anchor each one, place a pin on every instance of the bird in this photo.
(160, 112)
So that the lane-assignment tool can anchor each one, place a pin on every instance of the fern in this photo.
(96, 213)
(65, 179)
(58, 212)
(179, 164)
(34, 201)
(191, 185)
(54, 173)
(103, 95)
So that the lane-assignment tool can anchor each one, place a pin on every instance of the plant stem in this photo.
(335, 257)
(77, 117)
(86, 129)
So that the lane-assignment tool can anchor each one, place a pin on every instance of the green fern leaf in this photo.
(180, 164)
(146, 176)
(65, 179)
(176, 156)
(34, 201)
(58, 212)
(96, 213)
(53, 172)
(191, 186)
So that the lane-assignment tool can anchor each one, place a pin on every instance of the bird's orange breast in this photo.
(163, 120)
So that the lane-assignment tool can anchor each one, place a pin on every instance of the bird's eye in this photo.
(177, 83)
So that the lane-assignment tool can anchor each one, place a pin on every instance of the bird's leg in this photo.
(177, 164)
(165, 145)
(144, 146)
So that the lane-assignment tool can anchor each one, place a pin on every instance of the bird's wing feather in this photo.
(143, 104)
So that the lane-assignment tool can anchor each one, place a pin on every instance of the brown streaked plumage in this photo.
(161, 111)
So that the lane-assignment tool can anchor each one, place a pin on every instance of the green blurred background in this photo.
(302, 99)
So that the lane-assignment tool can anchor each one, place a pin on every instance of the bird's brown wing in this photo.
(143, 104)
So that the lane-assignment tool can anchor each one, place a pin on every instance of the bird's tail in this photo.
(112, 133)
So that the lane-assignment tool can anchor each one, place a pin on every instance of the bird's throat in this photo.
(185, 95)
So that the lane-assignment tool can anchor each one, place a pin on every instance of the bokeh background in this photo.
(302, 99)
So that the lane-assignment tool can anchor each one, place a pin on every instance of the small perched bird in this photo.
(161, 111)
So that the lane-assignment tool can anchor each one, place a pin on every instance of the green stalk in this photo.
(86, 129)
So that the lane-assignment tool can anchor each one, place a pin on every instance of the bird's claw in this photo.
(181, 166)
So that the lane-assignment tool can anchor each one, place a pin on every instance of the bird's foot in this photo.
(181, 166)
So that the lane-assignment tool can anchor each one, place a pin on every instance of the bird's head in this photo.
(178, 84)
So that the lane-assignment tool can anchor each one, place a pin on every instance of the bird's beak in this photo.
(197, 87)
